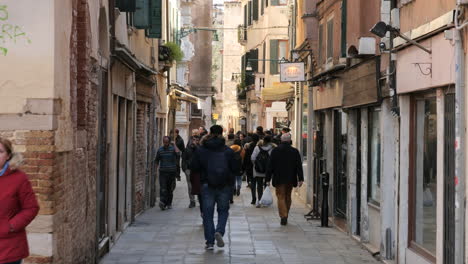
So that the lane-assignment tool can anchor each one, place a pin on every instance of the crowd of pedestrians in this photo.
(215, 167)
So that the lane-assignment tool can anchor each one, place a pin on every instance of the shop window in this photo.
(423, 176)
(374, 155)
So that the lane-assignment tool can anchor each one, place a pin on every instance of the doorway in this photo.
(340, 152)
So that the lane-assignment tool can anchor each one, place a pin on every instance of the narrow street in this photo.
(253, 235)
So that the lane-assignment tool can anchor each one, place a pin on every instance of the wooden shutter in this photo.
(254, 55)
(320, 45)
(255, 10)
(141, 18)
(330, 39)
(274, 56)
(126, 5)
(246, 21)
(156, 19)
(274, 2)
(262, 7)
(264, 57)
(250, 13)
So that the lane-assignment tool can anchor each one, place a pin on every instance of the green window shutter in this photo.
(254, 55)
(274, 2)
(262, 7)
(250, 13)
(320, 45)
(126, 5)
(264, 57)
(274, 56)
(141, 19)
(330, 33)
(155, 30)
(255, 10)
(245, 16)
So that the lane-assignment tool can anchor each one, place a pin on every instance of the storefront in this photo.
(425, 85)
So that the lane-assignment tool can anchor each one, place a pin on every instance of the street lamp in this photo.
(249, 66)
(381, 28)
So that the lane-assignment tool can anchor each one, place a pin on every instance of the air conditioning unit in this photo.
(367, 46)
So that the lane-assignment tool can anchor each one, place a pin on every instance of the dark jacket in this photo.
(18, 207)
(285, 166)
(187, 156)
(180, 143)
(209, 145)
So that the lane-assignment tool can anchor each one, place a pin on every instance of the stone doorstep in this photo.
(41, 224)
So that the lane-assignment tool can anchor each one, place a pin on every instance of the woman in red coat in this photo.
(18, 206)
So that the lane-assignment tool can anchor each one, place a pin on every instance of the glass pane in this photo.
(374, 155)
(425, 191)
(282, 53)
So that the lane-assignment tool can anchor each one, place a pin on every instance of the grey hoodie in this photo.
(268, 147)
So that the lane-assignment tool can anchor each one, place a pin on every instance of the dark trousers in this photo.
(167, 185)
(15, 262)
(257, 186)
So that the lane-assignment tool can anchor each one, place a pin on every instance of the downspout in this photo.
(459, 142)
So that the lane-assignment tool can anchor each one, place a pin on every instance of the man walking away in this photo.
(248, 165)
(167, 158)
(187, 156)
(230, 140)
(260, 132)
(239, 154)
(285, 169)
(260, 158)
(180, 144)
(215, 161)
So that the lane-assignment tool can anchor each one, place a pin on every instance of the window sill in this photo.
(373, 204)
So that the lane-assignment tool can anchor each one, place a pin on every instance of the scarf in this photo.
(5, 167)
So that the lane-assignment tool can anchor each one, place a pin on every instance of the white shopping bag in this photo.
(267, 198)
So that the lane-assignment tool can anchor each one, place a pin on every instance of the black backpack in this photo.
(217, 169)
(261, 161)
(238, 161)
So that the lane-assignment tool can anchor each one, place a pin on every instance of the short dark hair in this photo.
(237, 142)
(286, 129)
(177, 131)
(255, 138)
(216, 130)
(260, 129)
(267, 139)
(231, 130)
(231, 136)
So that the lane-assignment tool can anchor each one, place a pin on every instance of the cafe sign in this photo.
(292, 72)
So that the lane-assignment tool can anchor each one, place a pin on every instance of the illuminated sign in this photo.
(292, 72)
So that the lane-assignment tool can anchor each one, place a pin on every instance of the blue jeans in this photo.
(210, 197)
(238, 183)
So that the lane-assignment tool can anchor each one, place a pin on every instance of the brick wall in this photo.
(141, 158)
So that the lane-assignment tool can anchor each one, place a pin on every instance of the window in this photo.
(262, 7)
(320, 45)
(423, 176)
(374, 155)
(255, 10)
(278, 50)
(330, 39)
(250, 13)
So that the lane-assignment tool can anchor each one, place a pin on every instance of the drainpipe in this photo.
(459, 142)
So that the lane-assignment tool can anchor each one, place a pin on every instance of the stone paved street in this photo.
(253, 235)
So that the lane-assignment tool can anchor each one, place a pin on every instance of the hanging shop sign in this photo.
(292, 72)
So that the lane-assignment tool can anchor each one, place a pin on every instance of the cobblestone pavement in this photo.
(253, 235)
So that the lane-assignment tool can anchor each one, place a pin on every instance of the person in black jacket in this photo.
(216, 164)
(285, 170)
(186, 165)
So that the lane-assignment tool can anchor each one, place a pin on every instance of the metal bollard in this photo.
(325, 185)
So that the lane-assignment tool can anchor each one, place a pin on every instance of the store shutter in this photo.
(156, 19)
(274, 56)
(126, 5)
(141, 18)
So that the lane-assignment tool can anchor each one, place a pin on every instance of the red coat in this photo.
(18, 207)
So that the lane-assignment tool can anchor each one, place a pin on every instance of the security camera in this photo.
(382, 46)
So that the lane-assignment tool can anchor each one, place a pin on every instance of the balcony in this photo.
(242, 34)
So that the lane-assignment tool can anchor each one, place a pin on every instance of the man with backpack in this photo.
(239, 154)
(216, 164)
(260, 158)
(285, 168)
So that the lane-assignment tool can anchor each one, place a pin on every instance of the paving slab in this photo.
(253, 236)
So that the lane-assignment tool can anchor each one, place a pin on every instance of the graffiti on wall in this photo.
(10, 33)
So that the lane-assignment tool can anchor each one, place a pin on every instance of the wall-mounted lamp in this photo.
(249, 66)
(381, 28)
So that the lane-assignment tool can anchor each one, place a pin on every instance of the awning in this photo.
(278, 91)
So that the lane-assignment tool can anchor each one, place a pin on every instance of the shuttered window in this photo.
(274, 56)
(255, 10)
(156, 19)
(250, 13)
(320, 45)
(262, 7)
(330, 39)
(126, 5)
(264, 57)
(141, 19)
(245, 16)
